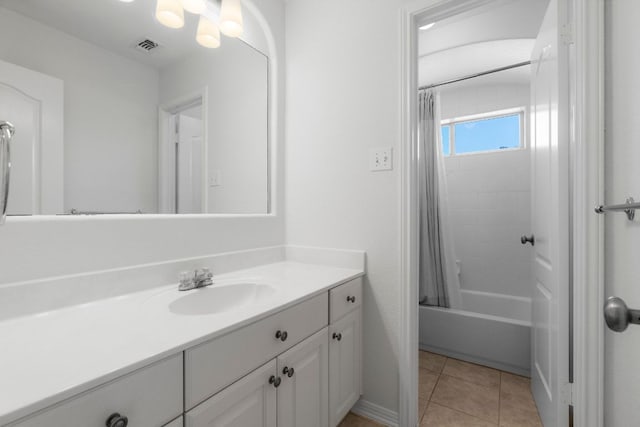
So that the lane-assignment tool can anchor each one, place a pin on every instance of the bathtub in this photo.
(492, 330)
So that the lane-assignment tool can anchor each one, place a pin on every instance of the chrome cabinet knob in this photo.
(281, 335)
(117, 420)
(351, 299)
(288, 371)
(528, 239)
(275, 381)
(337, 336)
(618, 315)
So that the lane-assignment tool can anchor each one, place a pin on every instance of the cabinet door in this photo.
(345, 365)
(303, 395)
(249, 402)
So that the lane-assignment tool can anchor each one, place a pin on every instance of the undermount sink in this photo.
(220, 298)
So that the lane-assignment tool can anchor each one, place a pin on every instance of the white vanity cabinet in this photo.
(297, 367)
(249, 402)
(149, 397)
(303, 394)
(288, 391)
(292, 386)
(345, 349)
(214, 365)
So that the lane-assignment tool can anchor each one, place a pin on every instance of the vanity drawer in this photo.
(214, 365)
(338, 302)
(149, 397)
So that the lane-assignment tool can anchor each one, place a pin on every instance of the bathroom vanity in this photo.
(274, 345)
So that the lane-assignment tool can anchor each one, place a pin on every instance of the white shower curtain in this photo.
(437, 276)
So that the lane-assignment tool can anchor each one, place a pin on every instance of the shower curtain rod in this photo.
(473, 76)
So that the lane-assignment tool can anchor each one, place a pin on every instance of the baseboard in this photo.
(376, 413)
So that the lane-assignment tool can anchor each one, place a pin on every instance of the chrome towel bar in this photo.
(629, 208)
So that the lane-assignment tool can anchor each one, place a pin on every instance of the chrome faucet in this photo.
(198, 278)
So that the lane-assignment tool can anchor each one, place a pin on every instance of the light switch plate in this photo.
(214, 179)
(381, 159)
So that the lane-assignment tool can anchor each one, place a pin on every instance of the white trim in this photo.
(588, 190)
(376, 413)
(487, 115)
(408, 336)
(410, 16)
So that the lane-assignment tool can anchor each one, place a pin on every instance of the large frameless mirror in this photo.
(116, 112)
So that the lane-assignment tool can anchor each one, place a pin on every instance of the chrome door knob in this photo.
(528, 239)
(618, 315)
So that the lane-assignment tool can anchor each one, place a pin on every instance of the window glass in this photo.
(497, 133)
(446, 140)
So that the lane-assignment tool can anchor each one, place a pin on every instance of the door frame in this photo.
(585, 35)
(165, 147)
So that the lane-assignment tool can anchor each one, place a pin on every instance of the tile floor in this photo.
(453, 393)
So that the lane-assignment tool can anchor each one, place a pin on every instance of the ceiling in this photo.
(498, 34)
(117, 26)
(476, 58)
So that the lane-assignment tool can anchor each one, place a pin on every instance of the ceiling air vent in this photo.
(146, 45)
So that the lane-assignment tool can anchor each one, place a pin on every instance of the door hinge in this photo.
(567, 394)
(566, 34)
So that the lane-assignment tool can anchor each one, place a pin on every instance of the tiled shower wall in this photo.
(490, 200)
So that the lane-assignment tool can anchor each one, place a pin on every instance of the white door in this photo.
(345, 365)
(303, 395)
(33, 103)
(549, 150)
(249, 402)
(189, 164)
(622, 180)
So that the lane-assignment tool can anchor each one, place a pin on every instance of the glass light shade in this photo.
(126, 1)
(170, 13)
(194, 6)
(208, 34)
(231, 18)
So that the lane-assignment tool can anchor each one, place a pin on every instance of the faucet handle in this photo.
(186, 281)
(204, 273)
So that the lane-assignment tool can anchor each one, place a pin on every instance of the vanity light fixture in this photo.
(426, 27)
(126, 1)
(231, 18)
(170, 13)
(194, 6)
(208, 34)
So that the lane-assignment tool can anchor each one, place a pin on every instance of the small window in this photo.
(480, 134)
(446, 141)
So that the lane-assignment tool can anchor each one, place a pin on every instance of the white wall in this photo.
(342, 100)
(110, 115)
(622, 179)
(235, 76)
(490, 199)
(33, 248)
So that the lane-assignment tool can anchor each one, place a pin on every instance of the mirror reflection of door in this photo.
(33, 103)
(188, 160)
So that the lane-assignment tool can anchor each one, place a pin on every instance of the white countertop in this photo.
(48, 357)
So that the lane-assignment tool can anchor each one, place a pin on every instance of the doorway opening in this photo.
(475, 275)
